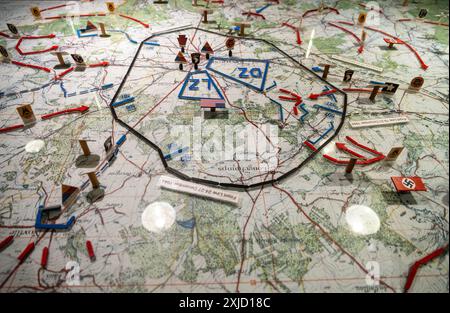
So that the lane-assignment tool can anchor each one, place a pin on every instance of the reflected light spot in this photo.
(158, 216)
(34, 146)
(362, 220)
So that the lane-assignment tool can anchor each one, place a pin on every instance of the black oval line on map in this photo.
(211, 182)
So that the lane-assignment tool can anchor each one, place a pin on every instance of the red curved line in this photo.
(346, 30)
(135, 20)
(422, 63)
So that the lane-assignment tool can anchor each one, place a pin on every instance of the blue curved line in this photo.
(149, 43)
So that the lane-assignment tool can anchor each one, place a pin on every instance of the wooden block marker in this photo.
(207, 50)
(195, 59)
(348, 75)
(94, 180)
(362, 18)
(181, 60)
(36, 12)
(86, 160)
(27, 114)
(326, 69)
(85, 147)
(103, 31)
(391, 42)
(111, 7)
(416, 83)
(13, 29)
(5, 55)
(394, 153)
(96, 193)
(205, 13)
(375, 91)
(81, 65)
(60, 56)
(229, 43)
(351, 164)
(242, 26)
(182, 40)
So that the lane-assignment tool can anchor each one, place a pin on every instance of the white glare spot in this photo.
(158, 216)
(34, 146)
(362, 220)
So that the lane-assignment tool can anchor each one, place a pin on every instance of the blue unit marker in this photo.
(253, 73)
(175, 153)
(84, 36)
(152, 43)
(263, 8)
(317, 106)
(189, 83)
(280, 109)
(323, 134)
(131, 108)
(107, 86)
(271, 87)
(373, 82)
(189, 224)
(122, 102)
(317, 69)
(305, 112)
(121, 140)
(331, 96)
(40, 225)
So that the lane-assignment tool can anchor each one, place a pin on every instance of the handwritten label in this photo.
(379, 122)
(179, 185)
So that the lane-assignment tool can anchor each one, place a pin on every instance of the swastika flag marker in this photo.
(407, 184)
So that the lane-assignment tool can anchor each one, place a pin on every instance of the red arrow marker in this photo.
(4, 35)
(364, 161)
(415, 267)
(37, 67)
(135, 20)
(81, 109)
(37, 51)
(297, 31)
(11, 128)
(70, 69)
(343, 147)
(104, 64)
(325, 93)
(254, 14)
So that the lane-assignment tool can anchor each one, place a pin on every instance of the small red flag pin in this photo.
(6, 242)
(44, 257)
(26, 252)
(90, 250)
